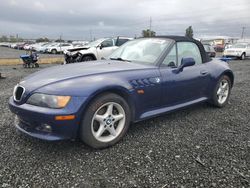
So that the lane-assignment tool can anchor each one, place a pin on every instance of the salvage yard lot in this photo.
(14, 53)
(199, 146)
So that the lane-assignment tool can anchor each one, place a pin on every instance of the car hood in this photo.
(70, 71)
(77, 49)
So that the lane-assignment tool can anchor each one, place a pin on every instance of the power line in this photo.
(242, 34)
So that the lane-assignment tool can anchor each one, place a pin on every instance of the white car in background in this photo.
(58, 48)
(43, 47)
(95, 50)
(28, 46)
(37, 45)
(240, 50)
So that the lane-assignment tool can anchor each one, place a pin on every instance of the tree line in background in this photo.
(145, 33)
(149, 33)
(11, 38)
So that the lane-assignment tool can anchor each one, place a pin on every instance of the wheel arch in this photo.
(230, 75)
(53, 49)
(118, 90)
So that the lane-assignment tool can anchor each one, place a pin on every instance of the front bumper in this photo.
(40, 122)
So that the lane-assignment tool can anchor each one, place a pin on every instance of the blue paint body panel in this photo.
(164, 91)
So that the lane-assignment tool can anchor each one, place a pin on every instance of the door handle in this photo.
(204, 72)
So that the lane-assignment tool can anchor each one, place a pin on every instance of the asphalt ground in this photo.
(6, 52)
(200, 146)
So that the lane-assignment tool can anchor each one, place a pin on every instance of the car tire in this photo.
(105, 122)
(243, 56)
(54, 51)
(222, 92)
(87, 58)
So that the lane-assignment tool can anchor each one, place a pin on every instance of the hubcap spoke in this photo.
(219, 90)
(110, 109)
(220, 98)
(99, 118)
(112, 130)
(118, 117)
(100, 130)
(224, 86)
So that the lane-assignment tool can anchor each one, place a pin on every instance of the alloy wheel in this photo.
(223, 91)
(108, 122)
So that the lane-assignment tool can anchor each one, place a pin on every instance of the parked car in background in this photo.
(240, 50)
(209, 50)
(28, 45)
(219, 47)
(35, 46)
(58, 48)
(97, 101)
(79, 43)
(228, 46)
(20, 46)
(42, 48)
(95, 50)
(5, 44)
(13, 45)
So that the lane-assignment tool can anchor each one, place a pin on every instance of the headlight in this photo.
(49, 101)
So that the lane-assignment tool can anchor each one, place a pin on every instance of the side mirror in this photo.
(101, 46)
(185, 62)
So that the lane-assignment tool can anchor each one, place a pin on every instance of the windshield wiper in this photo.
(119, 59)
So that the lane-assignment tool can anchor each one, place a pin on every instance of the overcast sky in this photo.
(78, 19)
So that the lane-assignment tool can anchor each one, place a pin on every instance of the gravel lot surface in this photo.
(6, 52)
(200, 146)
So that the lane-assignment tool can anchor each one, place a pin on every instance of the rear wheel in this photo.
(54, 51)
(222, 91)
(105, 121)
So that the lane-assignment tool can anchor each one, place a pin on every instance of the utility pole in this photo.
(60, 43)
(90, 33)
(150, 26)
(243, 30)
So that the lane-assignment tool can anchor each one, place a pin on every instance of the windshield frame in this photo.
(158, 60)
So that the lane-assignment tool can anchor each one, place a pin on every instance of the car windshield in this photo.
(145, 50)
(239, 46)
(95, 43)
(206, 47)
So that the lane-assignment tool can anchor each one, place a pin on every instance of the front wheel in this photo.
(222, 91)
(36, 65)
(87, 58)
(105, 122)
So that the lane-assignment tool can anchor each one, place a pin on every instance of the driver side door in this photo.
(105, 48)
(188, 85)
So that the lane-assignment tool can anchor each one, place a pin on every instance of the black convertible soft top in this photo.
(205, 57)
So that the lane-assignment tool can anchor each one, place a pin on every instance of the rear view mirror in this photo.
(186, 62)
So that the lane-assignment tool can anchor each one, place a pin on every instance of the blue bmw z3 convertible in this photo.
(98, 100)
